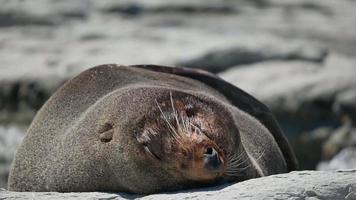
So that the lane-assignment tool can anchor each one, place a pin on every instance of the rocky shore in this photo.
(298, 57)
(295, 185)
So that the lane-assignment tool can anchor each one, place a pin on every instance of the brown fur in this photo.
(128, 128)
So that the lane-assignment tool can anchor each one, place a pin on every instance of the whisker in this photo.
(175, 113)
(233, 158)
(184, 122)
(234, 163)
(261, 155)
(233, 170)
(166, 120)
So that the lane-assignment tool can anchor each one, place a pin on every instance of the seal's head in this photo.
(188, 137)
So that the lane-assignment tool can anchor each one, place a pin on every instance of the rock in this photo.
(343, 137)
(42, 12)
(20, 99)
(323, 143)
(345, 159)
(54, 195)
(10, 138)
(304, 96)
(50, 39)
(308, 146)
(137, 8)
(220, 60)
(299, 88)
(295, 185)
(275, 43)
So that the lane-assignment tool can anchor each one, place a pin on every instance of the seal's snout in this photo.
(211, 159)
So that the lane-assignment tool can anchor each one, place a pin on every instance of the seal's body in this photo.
(146, 129)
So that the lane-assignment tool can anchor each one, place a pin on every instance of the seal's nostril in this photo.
(211, 159)
(209, 151)
(189, 110)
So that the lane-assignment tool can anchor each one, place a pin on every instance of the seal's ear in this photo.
(105, 132)
(240, 99)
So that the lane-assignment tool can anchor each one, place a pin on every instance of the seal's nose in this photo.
(211, 159)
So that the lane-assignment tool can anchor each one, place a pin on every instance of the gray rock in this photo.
(301, 88)
(21, 98)
(219, 34)
(58, 196)
(304, 96)
(295, 185)
(134, 8)
(43, 43)
(342, 137)
(220, 60)
(10, 138)
(345, 159)
(324, 143)
(308, 146)
(41, 12)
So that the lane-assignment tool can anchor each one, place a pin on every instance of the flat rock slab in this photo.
(300, 87)
(295, 185)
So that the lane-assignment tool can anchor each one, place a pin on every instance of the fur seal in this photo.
(146, 129)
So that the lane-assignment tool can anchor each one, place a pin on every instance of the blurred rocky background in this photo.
(296, 56)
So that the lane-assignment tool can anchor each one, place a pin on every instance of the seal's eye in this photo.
(189, 110)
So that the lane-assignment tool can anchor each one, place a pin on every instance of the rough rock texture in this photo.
(218, 60)
(314, 185)
(301, 88)
(306, 98)
(54, 40)
(10, 138)
(303, 95)
(333, 146)
(345, 159)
